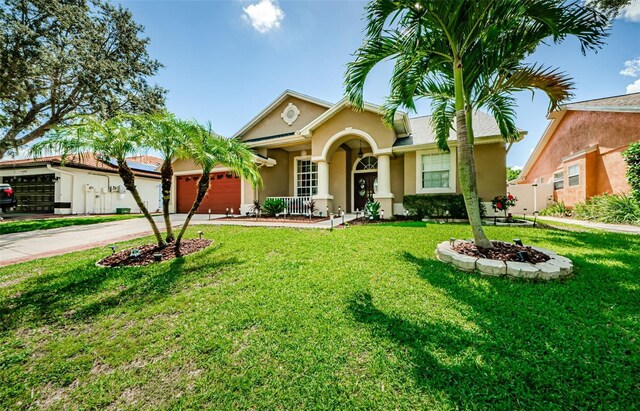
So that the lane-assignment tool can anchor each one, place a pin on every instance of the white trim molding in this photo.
(452, 173)
(349, 131)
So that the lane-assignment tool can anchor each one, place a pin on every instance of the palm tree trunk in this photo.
(466, 163)
(166, 173)
(203, 187)
(128, 179)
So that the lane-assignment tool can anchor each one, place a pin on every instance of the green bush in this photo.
(609, 209)
(632, 157)
(556, 210)
(438, 205)
(372, 209)
(273, 206)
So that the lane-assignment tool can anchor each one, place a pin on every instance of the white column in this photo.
(384, 174)
(323, 179)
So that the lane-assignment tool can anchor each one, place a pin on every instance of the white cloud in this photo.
(517, 167)
(631, 68)
(631, 12)
(634, 87)
(264, 16)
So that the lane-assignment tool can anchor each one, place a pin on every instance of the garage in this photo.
(224, 192)
(35, 193)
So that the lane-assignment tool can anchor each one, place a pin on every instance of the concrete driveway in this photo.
(20, 247)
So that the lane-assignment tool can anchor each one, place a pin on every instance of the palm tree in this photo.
(115, 138)
(164, 133)
(466, 54)
(207, 150)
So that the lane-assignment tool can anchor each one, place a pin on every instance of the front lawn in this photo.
(360, 318)
(19, 226)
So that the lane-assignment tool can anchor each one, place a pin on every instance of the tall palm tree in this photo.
(207, 150)
(115, 138)
(165, 134)
(466, 54)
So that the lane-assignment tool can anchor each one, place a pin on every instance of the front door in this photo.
(365, 185)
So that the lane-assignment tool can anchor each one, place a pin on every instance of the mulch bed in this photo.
(501, 251)
(124, 259)
(289, 219)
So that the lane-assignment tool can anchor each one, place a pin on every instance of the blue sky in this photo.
(226, 60)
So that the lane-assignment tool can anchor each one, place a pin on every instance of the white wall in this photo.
(102, 196)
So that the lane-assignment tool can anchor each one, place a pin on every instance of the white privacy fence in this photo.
(532, 197)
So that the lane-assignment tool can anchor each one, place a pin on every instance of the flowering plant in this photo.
(503, 203)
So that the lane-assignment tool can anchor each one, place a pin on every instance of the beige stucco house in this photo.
(311, 149)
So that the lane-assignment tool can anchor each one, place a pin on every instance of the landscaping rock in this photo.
(465, 262)
(491, 267)
(522, 270)
(564, 264)
(548, 271)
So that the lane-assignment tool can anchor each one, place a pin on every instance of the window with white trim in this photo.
(558, 181)
(306, 178)
(574, 175)
(436, 171)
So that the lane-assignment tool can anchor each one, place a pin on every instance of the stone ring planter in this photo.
(557, 267)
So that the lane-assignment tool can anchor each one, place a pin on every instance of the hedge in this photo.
(438, 205)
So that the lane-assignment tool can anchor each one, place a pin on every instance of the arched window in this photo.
(367, 163)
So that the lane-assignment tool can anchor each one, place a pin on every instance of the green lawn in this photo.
(361, 318)
(18, 226)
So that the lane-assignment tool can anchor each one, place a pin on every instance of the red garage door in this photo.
(224, 192)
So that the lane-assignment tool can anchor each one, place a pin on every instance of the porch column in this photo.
(384, 195)
(323, 199)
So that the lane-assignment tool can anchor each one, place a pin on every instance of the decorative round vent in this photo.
(290, 114)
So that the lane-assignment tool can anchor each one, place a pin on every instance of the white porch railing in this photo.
(296, 205)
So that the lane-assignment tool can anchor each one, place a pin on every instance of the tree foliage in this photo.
(62, 58)
(513, 173)
(632, 157)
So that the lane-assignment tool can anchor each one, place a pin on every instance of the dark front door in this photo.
(364, 186)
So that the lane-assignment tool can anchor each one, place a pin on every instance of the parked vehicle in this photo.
(7, 198)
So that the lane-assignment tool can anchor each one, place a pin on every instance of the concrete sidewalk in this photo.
(614, 228)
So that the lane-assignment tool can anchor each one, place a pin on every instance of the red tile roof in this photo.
(86, 161)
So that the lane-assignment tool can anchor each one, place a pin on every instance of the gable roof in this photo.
(275, 103)
(623, 103)
(87, 161)
(422, 131)
(628, 103)
(401, 121)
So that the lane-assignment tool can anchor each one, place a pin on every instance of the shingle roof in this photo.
(85, 161)
(625, 102)
(422, 131)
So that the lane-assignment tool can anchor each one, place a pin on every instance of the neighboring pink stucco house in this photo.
(580, 151)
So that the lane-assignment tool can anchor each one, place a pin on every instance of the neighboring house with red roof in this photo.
(580, 151)
(82, 184)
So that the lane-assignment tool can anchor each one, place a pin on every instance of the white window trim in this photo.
(295, 174)
(555, 180)
(452, 173)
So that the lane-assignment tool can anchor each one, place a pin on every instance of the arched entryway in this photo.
(364, 178)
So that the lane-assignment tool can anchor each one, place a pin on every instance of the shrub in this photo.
(372, 209)
(273, 206)
(503, 203)
(556, 210)
(609, 209)
(438, 205)
(632, 157)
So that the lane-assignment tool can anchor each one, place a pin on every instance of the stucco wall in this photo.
(365, 121)
(409, 174)
(580, 130)
(491, 167)
(397, 178)
(272, 123)
(276, 178)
